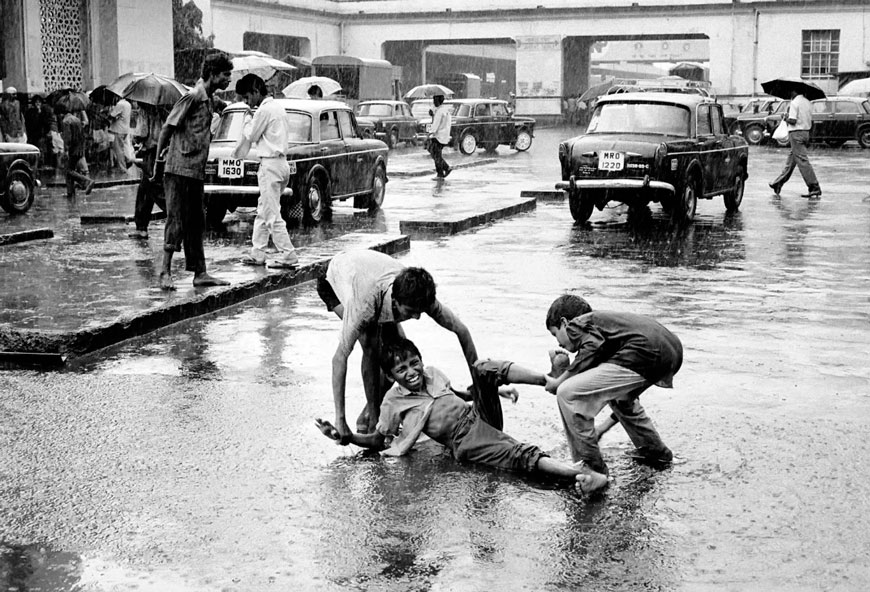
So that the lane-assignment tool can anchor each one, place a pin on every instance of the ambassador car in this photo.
(390, 121)
(328, 158)
(484, 123)
(19, 164)
(646, 147)
(836, 120)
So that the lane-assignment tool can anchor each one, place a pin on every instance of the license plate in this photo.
(611, 161)
(231, 168)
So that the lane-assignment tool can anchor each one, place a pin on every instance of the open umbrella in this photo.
(150, 88)
(298, 89)
(597, 90)
(856, 88)
(103, 95)
(782, 87)
(425, 91)
(68, 100)
(259, 63)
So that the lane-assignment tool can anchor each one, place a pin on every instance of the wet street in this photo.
(188, 460)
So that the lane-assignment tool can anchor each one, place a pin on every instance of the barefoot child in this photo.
(619, 356)
(422, 402)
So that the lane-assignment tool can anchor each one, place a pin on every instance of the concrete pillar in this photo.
(539, 75)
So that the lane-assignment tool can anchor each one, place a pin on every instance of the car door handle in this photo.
(324, 149)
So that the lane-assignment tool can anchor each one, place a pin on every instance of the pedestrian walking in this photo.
(120, 130)
(799, 122)
(372, 293)
(439, 136)
(74, 162)
(185, 139)
(38, 122)
(147, 133)
(11, 120)
(268, 131)
(618, 357)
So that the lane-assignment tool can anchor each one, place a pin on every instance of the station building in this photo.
(542, 50)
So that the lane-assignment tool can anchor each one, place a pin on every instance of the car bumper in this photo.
(241, 190)
(645, 183)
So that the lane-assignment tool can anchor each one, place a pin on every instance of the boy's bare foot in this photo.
(166, 281)
(589, 481)
(205, 279)
(327, 429)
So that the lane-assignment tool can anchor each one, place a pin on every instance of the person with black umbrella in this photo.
(799, 121)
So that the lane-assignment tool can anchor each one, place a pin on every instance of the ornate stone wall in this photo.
(62, 37)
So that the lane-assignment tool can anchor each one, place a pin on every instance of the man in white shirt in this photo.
(799, 121)
(268, 130)
(120, 130)
(439, 136)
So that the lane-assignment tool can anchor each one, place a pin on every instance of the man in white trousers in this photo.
(268, 130)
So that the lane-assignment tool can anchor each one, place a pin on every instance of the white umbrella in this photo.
(425, 91)
(856, 88)
(259, 63)
(298, 89)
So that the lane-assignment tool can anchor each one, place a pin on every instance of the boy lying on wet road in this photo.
(422, 401)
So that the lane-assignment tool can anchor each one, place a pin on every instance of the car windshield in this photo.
(422, 109)
(232, 122)
(460, 110)
(375, 110)
(640, 118)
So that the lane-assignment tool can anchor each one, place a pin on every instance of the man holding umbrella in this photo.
(799, 121)
(439, 136)
(186, 136)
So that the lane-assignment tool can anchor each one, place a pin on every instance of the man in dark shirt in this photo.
(618, 357)
(75, 163)
(187, 132)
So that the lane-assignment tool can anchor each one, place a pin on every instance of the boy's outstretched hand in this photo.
(509, 392)
(327, 429)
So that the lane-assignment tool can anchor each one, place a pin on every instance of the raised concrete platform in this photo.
(51, 347)
(447, 226)
(422, 172)
(25, 235)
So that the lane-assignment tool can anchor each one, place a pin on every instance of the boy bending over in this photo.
(619, 356)
(422, 402)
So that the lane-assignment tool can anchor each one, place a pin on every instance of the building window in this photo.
(820, 54)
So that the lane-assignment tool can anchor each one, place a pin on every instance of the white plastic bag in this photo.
(780, 134)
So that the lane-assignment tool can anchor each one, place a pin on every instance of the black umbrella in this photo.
(782, 87)
(103, 95)
(68, 100)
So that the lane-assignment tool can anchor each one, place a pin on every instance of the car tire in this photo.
(375, 199)
(734, 197)
(19, 193)
(754, 134)
(468, 143)
(864, 136)
(215, 211)
(524, 141)
(581, 204)
(393, 139)
(315, 201)
(687, 203)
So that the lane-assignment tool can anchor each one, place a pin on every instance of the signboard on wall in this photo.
(539, 66)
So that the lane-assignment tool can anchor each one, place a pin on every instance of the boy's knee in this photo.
(495, 369)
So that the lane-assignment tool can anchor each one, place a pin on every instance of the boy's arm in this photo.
(445, 317)
(374, 441)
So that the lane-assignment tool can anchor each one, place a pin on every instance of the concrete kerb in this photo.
(107, 219)
(28, 347)
(429, 171)
(26, 235)
(423, 228)
(544, 194)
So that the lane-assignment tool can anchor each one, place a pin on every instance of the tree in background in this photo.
(190, 45)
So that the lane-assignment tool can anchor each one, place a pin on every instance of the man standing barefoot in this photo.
(187, 132)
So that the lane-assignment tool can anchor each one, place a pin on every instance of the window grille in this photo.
(820, 53)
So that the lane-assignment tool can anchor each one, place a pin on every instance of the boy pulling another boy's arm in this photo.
(619, 355)
(422, 401)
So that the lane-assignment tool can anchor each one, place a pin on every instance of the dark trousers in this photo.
(435, 148)
(76, 173)
(148, 191)
(185, 220)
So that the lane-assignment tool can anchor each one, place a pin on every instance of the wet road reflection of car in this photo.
(653, 147)
(19, 164)
(328, 158)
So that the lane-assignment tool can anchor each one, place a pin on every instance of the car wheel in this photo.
(688, 201)
(754, 134)
(393, 138)
(734, 197)
(315, 201)
(374, 200)
(468, 143)
(215, 212)
(524, 141)
(580, 204)
(19, 193)
(864, 136)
